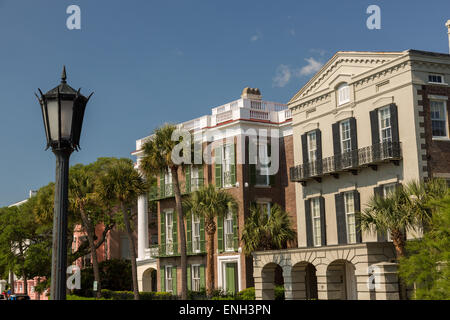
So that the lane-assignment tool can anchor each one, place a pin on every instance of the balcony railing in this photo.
(157, 193)
(352, 160)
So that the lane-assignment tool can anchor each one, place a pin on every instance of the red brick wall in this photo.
(438, 152)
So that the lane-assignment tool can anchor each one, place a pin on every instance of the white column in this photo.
(448, 27)
(142, 226)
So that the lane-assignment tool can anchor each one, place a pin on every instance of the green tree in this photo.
(122, 184)
(427, 264)
(157, 160)
(267, 232)
(211, 204)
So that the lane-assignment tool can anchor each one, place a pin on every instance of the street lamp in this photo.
(62, 113)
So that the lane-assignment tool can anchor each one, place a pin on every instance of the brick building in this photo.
(228, 133)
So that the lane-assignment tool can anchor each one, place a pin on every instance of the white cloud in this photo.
(282, 76)
(284, 73)
(312, 67)
(256, 37)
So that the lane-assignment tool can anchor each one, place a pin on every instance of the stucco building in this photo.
(365, 123)
(228, 134)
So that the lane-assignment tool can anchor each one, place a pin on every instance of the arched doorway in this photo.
(149, 280)
(304, 281)
(341, 281)
(271, 276)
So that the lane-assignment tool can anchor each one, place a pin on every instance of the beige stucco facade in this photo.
(375, 80)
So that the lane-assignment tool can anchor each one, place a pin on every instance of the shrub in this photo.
(128, 295)
(75, 297)
(279, 293)
(246, 294)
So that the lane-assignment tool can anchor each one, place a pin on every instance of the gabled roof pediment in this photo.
(342, 67)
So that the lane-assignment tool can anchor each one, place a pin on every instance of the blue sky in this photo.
(151, 62)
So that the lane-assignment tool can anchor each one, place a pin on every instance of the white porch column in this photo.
(142, 226)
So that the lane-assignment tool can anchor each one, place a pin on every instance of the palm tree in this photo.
(210, 203)
(122, 184)
(157, 160)
(267, 232)
(403, 209)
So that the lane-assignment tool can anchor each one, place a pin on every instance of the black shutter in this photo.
(375, 127)
(340, 218)
(323, 225)
(336, 145)
(358, 217)
(309, 230)
(394, 123)
(319, 150)
(354, 141)
(305, 148)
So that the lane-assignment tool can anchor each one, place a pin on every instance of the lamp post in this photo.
(62, 113)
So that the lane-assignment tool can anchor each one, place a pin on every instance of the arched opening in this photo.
(271, 276)
(341, 281)
(304, 281)
(149, 280)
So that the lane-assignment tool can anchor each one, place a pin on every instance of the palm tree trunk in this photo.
(132, 252)
(90, 234)
(181, 232)
(210, 264)
(25, 284)
(398, 239)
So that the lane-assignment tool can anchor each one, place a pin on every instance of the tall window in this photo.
(195, 277)
(438, 119)
(343, 93)
(169, 232)
(312, 146)
(226, 164)
(346, 143)
(262, 167)
(349, 201)
(229, 245)
(169, 286)
(384, 114)
(315, 212)
(168, 183)
(195, 183)
(195, 233)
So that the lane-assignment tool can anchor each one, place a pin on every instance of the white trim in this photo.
(446, 137)
(436, 97)
(221, 260)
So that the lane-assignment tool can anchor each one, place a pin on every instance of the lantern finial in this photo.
(63, 76)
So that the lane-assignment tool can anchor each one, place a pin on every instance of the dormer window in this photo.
(343, 94)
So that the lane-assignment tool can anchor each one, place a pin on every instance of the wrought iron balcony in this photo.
(348, 161)
(158, 193)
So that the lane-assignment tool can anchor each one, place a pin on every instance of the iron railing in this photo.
(371, 155)
(158, 193)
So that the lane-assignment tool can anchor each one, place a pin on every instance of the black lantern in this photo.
(62, 112)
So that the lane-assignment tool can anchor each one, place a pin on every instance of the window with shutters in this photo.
(262, 167)
(195, 233)
(343, 93)
(195, 277)
(169, 281)
(315, 214)
(312, 151)
(384, 116)
(227, 162)
(349, 205)
(169, 232)
(439, 119)
(228, 232)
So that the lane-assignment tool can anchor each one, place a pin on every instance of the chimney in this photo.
(448, 30)
(251, 93)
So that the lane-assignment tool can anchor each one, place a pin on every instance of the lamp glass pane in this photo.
(66, 118)
(52, 107)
